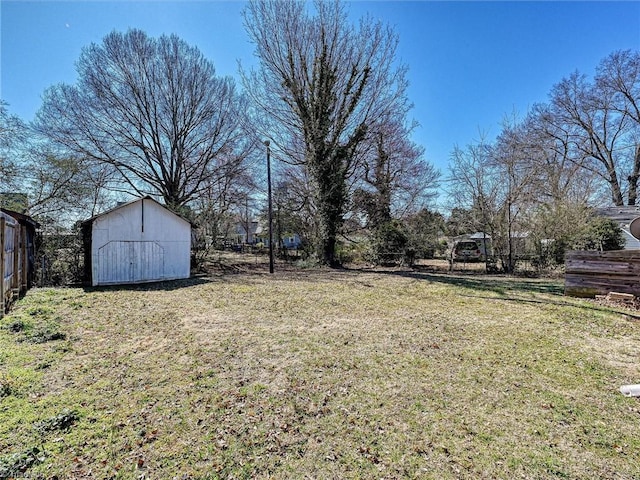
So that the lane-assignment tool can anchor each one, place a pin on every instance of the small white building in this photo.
(623, 216)
(137, 242)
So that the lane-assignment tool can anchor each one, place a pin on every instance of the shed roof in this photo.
(479, 235)
(123, 205)
(21, 217)
(621, 215)
(473, 236)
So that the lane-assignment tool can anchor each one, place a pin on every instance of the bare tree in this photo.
(295, 203)
(619, 73)
(515, 160)
(540, 174)
(63, 187)
(500, 184)
(320, 84)
(51, 185)
(475, 187)
(596, 129)
(618, 77)
(394, 179)
(151, 109)
(13, 133)
(216, 207)
(564, 172)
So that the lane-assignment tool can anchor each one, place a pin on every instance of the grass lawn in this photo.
(319, 374)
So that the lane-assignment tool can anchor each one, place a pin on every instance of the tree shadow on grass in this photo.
(168, 285)
(508, 289)
(511, 289)
(490, 283)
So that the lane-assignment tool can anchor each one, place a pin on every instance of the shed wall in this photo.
(9, 268)
(140, 242)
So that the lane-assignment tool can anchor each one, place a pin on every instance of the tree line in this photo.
(543, 172)
(150, 116)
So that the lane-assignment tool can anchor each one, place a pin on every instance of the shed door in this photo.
(129, 262)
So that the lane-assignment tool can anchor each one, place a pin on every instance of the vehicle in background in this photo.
(467, 251)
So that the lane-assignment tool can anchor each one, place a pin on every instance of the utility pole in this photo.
(266, 143)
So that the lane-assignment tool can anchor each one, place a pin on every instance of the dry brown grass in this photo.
(324, 374)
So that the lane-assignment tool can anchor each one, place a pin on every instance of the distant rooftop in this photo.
(623, 217)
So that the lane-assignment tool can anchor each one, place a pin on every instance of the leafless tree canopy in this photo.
(321, 84)
(12, 134)
(600, 120)
(152, 109)
(542, 172)
(55, 186)
(393, 178)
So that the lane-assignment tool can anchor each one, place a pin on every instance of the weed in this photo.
(45, 333)
(16, 464)
(63, 421)
(6, 385)
(38, 311)
(16, 326)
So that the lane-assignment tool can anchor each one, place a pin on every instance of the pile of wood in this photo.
(588, 274)
(617, 299)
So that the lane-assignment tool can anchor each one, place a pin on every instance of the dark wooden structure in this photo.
(588, 274)
(17, 256)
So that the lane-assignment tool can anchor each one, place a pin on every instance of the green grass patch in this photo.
(319, 374)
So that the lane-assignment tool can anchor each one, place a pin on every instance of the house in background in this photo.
(247, 232)
(291, 241)
(622, 216)
(259, 235)
(137, 242)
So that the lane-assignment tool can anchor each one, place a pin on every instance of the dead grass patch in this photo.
(326, 374)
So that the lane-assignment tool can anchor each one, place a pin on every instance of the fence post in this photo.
(2, 242)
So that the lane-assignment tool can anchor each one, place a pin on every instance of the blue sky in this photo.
(470, 63)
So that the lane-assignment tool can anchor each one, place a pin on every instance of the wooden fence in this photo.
(588, 274)
(14, 268)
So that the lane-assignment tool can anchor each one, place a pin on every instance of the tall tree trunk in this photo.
(382, 184)
(330, 219)
(616, 192)
(330, 176)
(633, 178)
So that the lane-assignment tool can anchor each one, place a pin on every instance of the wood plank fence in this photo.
(14, 268)
(588, 274)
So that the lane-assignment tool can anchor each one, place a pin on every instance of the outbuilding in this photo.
(27, 246)
(623, 216)
(17, 256)
(136, 242)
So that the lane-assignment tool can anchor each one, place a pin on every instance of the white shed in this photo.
(137, 242)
